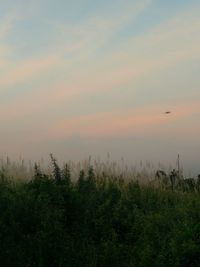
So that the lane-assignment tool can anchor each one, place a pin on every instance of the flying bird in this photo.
(167, 112)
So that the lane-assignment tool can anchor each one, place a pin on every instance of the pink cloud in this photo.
(135, 122)
(23, 71)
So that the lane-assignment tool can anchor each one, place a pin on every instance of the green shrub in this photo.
(96, 221)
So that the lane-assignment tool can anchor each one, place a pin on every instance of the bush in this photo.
(52, 221)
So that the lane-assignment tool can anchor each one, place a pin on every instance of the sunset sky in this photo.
(88, 77)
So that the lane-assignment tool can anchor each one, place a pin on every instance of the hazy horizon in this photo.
(85, 78)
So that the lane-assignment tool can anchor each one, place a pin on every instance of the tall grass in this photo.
(95, 214)
(144, 172)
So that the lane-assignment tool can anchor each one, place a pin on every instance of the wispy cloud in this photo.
(135, 122)
(7, 23)
(27, 70)
(161, 48)
(83, 38)
(97, 29)
(141, 55)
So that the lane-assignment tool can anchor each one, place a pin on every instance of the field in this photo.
(93, 214)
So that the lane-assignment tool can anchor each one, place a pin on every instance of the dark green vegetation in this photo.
(96, 221)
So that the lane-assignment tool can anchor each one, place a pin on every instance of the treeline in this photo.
(95, 221)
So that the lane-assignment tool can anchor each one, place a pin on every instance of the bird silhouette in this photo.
(167, 112)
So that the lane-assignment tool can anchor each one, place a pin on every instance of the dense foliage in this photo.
(96, 221)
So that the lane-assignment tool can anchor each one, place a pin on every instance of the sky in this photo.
(85, 77)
